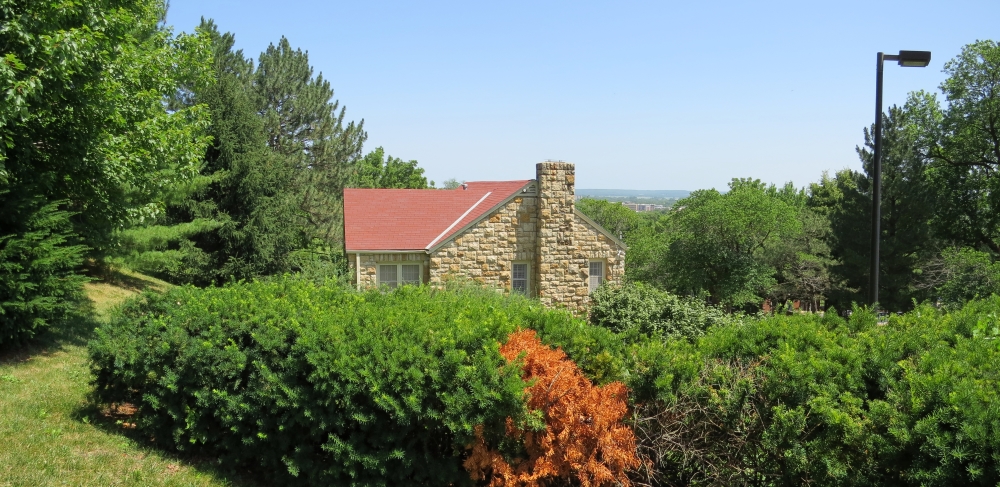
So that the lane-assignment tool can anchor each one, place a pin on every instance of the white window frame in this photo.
(527, 277)
(601, 278)
(399, 274)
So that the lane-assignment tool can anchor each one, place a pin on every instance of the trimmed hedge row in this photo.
(325, 385)
(796, 400)
(320, 383)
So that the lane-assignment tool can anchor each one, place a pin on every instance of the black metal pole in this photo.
(876, 184)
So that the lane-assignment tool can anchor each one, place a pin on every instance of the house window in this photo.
(393, 275)
(596, 274)
(519, 277)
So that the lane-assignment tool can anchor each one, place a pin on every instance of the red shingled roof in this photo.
(416, 219)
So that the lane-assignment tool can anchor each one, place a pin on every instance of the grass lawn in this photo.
(51, 435)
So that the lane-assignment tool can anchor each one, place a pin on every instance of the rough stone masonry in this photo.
(539, 227)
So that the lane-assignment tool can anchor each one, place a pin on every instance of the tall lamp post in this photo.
(918, 59)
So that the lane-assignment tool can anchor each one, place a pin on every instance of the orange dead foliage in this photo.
(584, 442)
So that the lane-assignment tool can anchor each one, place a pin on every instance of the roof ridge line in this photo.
(446, 230)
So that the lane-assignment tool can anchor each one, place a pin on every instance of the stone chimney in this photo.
(562, 271)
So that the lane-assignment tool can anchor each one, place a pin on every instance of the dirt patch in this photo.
(121, 414)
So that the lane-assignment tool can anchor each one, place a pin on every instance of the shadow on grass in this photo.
(131, 281)
(117, 421)
(78, 328)
(74, 330)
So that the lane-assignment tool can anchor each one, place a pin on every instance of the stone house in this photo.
(524, 236)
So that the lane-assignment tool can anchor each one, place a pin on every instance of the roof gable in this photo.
(416, 219)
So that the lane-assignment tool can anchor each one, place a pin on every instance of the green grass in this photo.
(50, 434)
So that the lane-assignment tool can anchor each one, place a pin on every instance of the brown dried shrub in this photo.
(584, 441)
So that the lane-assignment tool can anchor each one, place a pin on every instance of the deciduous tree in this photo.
(380, 170)
(963, 141)
(717, 242)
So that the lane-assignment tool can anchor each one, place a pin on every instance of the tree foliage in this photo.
(717, 242)
(268, 198)
(614, 217)
(238, 219)
(961, 275)
(87, 146)
(380, 170)
(83, 119)
(38, 262)
(907, 239)
(305, 125)
(964, 145)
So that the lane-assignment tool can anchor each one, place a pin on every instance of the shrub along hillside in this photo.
(635, 311)
(796, 400)
(325, 385)
(321, 383)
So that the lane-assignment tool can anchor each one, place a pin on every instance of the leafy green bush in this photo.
(804, 399)
(330, 386)
(39, 283)
(322, 383)
(937, 404)
(634, 310)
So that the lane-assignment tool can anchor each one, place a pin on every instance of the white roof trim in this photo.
(385, 251)
(485, 214)
(446, 230)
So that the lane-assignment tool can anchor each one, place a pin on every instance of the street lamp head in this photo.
(917, 59)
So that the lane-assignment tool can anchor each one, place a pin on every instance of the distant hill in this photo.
(633, 193)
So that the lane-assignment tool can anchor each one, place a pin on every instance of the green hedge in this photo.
(805, 399)
(324, 385)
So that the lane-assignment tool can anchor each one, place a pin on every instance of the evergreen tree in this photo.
(240, 218)
(305, 126)
(907, 241)
(38, 263)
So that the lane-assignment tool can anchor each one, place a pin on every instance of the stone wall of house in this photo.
(369, 265)
(539, 228)
(595, 245)
(543, 231)
(485, 252)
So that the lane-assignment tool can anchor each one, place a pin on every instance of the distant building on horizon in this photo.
(642, 206)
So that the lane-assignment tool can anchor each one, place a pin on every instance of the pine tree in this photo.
(305, 126)
(38, 262)
(907, 240)
(240, 218)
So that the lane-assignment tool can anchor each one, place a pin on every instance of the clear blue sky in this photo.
(640, 95)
